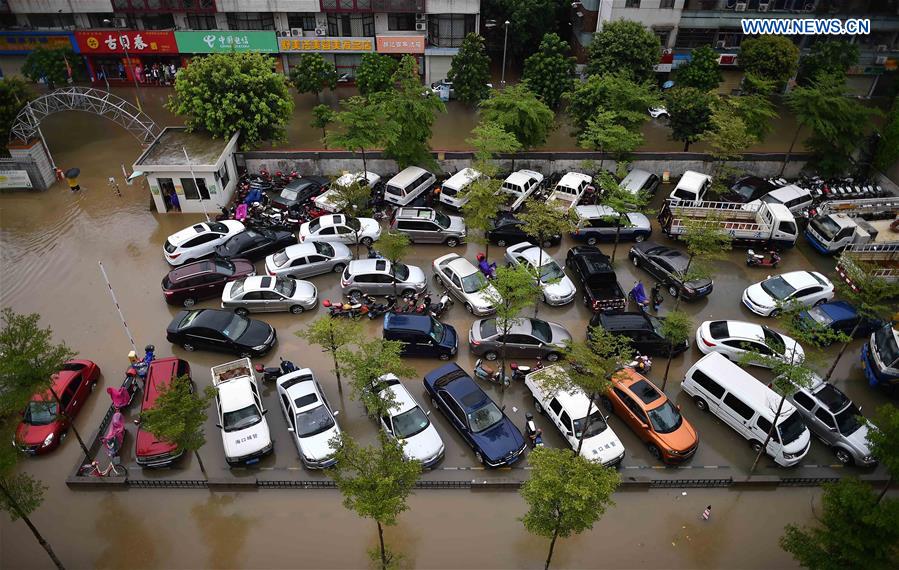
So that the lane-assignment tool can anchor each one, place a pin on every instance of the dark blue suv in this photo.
(421, 335)
(495, 439)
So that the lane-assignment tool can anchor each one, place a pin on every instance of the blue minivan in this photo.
(421, 335)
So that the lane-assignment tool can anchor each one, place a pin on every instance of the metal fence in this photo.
(168, 483)
(806, 481)
(688, 483)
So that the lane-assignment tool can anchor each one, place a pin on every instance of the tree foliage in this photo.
(706, 242)
(489, 140)
(375, 73)
(372, 359)
(728, 136)
(223, 93)
(621, 200)
(702, 71)
(615, 93)
(529, 20)
(470, 70)
(23, 495)
(322, 116)
(832, 57)
(513, 290)
(677, 328)
(49, 64)
(518, 111)
(15, 93)
(333, 336)
(361, 124)
(353, 199)
(770, 57)
(605, 133)
(394, 246)
(312, 73)
(624, 46)
(542, 221)
(549, 72)
(885, 441)
(690, 112)
(888, 150)
(484, 201)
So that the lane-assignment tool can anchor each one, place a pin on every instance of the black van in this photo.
(421, 335)
(645, 331)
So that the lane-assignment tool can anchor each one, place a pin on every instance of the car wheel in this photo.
(469, 308)
(296, 309)
(339, 268)
(775, 313)
(189, 302)
(354, 293)
(635, 261)
(479, 457)
(538, 406)
(701, 404)
(820, 302)
(501, 242)
(452, 242)
(188, 347)
(491, 356)
(755, 445)
(436, 278)
(366, 241)
(607, 404)
(654, 451)
(672, 290)
(241, 311)
(591, 241)
(408, 293)
(639, 238)
(552, 357)
(843, 456)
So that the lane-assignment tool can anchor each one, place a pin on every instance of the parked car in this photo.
(806, 288)
(340, 228)
(266, 294)
(838, 422)
(421, 335)
(377, 277)
(602, 223)
(652, 416)
(601, 443)
(409, 185)
(452, 191)
(246, 437)
(793, 197)
(192, 282)
(149, 450)
(427, 225)
(198, 241)
(747, 189)
(448, 85)
(507, 229)
(527, 338)
(325, 200)
(466, 282)
(841, 317)
(221, 331)
(594, 270)
(255, 244)
(299, 191)
(658, 112)
(311, 420)
(557, 287)
(46, 420)
(692, 187)
(569, 190)
(519, 186)
(734, 339)
(668, 266)
(481, 423)
(309, 259)
(638, 180)
(644, 331)
(409, 424)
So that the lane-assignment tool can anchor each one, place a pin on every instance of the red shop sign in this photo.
(135, 42)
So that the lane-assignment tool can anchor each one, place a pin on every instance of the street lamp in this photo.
(502, 81)
(130, 69)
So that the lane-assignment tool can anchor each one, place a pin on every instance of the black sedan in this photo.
(255, 244)
(669, 266)
(507, 231)
(221, 331)
(747, 189)
(300, 191)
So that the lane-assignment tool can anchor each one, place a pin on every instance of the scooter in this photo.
(270, 373)
(519, 372)
(437, 309)
(489, 373)
(642, 364)
(351, 310)
(115, 436)
(533, 433)
(754, 259)
(375, 310)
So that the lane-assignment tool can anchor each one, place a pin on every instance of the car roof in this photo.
(532, 254)
(574, 400)
(211, 318)
(692, 180)
(301, 249)
(349, 177)
(630, 378)
(259, 283)
(519, 177)
(184, 235)
(416, 213)
(404, 321)
(594, 261)
(787, 193)
(839, 310)
(462, 267)
(799, 279)
(574, 179)
(624, 321)
(402, 399)
(192, 269)
(595, 211)
(369, 266)
(298, 384)
(453, 379)
(236, 393)
(742, 384)
(331, 220)
(407, 176)
(635, 179)
(743, 329)
(462, 178)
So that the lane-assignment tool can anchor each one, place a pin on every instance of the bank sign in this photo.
(135, 42)
(212, 41)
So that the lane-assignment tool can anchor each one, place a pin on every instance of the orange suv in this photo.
(652, 416)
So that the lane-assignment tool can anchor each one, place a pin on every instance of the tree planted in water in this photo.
(332, 335)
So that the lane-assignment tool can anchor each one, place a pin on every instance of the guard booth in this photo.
(189, 172)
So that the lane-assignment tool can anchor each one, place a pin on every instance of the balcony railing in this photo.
(372, 6)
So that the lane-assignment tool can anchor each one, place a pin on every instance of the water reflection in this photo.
(126, 535)
(223, 530)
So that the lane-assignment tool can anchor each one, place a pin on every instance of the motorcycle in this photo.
(375, 310)
(270, 373)
(437, 309)
(115, 436)
(641, 363)
(489, 373)
(351, 310)
(754, 259)
(533, 433)
(519, 372)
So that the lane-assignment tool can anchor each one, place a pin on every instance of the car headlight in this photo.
(48, 440)
(260, 347)
(689, 289)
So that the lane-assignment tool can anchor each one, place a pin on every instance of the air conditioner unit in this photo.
(720, 44)
(321, 31)
(880, 60)
(763, 7)
(421, 17)
(881, 47)
(740, 7)
(282, 33)
(421, 26)
(296, 31)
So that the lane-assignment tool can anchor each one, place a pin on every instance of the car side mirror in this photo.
(336, 413)
(289, 429)
(264, 412)
(218, 426)
(832, 428)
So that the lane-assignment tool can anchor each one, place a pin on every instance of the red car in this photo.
(191, 282)
(148, 450)
(43, 427)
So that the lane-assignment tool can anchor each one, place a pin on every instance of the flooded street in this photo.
(50, 244)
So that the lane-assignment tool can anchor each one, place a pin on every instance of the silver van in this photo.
(374, 277)
(745, 404)
(638, 180)
(427, 225)
(408, 185)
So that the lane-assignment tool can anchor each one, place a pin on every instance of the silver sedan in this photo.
(264, 293)
(527, 338)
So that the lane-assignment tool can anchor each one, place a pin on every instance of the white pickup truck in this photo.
(241, 417)
(570, 189)
(519, 186)
(601, 444)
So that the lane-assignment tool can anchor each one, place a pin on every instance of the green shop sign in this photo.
(212, 41)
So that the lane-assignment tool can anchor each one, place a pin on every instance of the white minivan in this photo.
(408, 185)
(452, 192)
(738, 399)
(793, 197)
(691, 187)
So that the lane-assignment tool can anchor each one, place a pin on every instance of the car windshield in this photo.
(442, 219)
(236, 327)
(40, 412)
(410, 423)
(280, 259)
(401, 271)
(541, 330)
(285, 286)
(778, 288)
(596, 427)
(238, 288)
(488, 328)
(484, 417)
(791, 428)
(744, 192)
(474, 282)
(437, 330)
(354, 224)
(684, 194)
(394, 190)
(324, 248)
(242, 418)
(820, 316)
(314, 421)
(315, 225)
(289, 195)
(551, 272)
(774, 340)
(825, 226)
(848, 420)
(665, 418)
(887, 348)
(225, 267)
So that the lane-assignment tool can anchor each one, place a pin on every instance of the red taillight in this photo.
(168, 293)
(707, 343)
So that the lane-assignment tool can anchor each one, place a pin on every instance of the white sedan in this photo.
(408, 423)
(466, 283)
(310, 419)
(806, 288)
(341, 228)
(557, 287)
(733, 339)
(199, 241)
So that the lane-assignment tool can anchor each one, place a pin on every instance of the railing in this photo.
(687, 483)
(168, 483)
(861, 206)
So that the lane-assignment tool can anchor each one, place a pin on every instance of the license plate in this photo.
(252, 461)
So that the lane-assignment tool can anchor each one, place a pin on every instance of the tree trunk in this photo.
(552, 544)
(790, 151)
(364, 166)
(885, 489)
(337, 370)
(324, 134)
(200, 462)
(668, 366)
(617, 237)
(37, 535)
(502, 369)
(539, 281)
(486, 248)
(679, 296)
(770, 434)
(842, 350)
(587, 422)
(686, 146)
(383, 550)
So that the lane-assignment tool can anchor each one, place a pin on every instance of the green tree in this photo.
(706, 242)
(728, 138)
(677, 328)
(854, 531)
(312, 73)
(604, 133)
(702, 71)
(566, 494)
(690, 114)
(470, 70)
(372, 359)
(375, 483)
(223, 93)
(770, 57)
(375, 73)
(511, 291)
(179, 415)
(21, 495)
(15, 93)
(543, 221)
(833, 57)
(362, 125)
(615, 93)
(394, 246)
(756, 110)
(489, 140)
(333, 336)
(322, 116)
(549, 72)
(624, 46)
(885, 442)
(50, 65)
(888, 149)
(484, 201)
(518, 111)
(838, 121)
(529, 20)
(621, 201)
(353, 199)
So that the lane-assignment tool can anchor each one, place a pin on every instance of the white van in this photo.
(691, 187)
(793, 197)
(453, 189)
(408, 185)
(738, 399)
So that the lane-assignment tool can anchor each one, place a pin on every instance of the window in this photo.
(763, 424)
(158, 21)
(448, 30)
(695, 37)
(453, 407)
(51, 20)
(401, 22)
(664, 37)
(825, 417)
(351, 25)
(222, 176)
(195, 191)
(96, 20)
(731, 38)
(304, 20)
(555, 406)
(710, 385)
(201, 22)
(738, 406)
(666, 4)
(631, 3)
(566, 420)
(251, 21)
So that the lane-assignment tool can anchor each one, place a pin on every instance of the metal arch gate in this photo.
(89, 100)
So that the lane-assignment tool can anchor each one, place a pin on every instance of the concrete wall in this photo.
(649, 14)
(54, 6)
(32, 157)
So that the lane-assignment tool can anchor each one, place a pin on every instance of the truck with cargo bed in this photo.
(842, 223)
(518, 187)
(593, 269)
(241, 416)
(757, 224)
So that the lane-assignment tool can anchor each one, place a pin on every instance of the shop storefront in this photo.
(219, 41)
(403, 45)
(344, 52)
(15, 47)
(149, 56)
